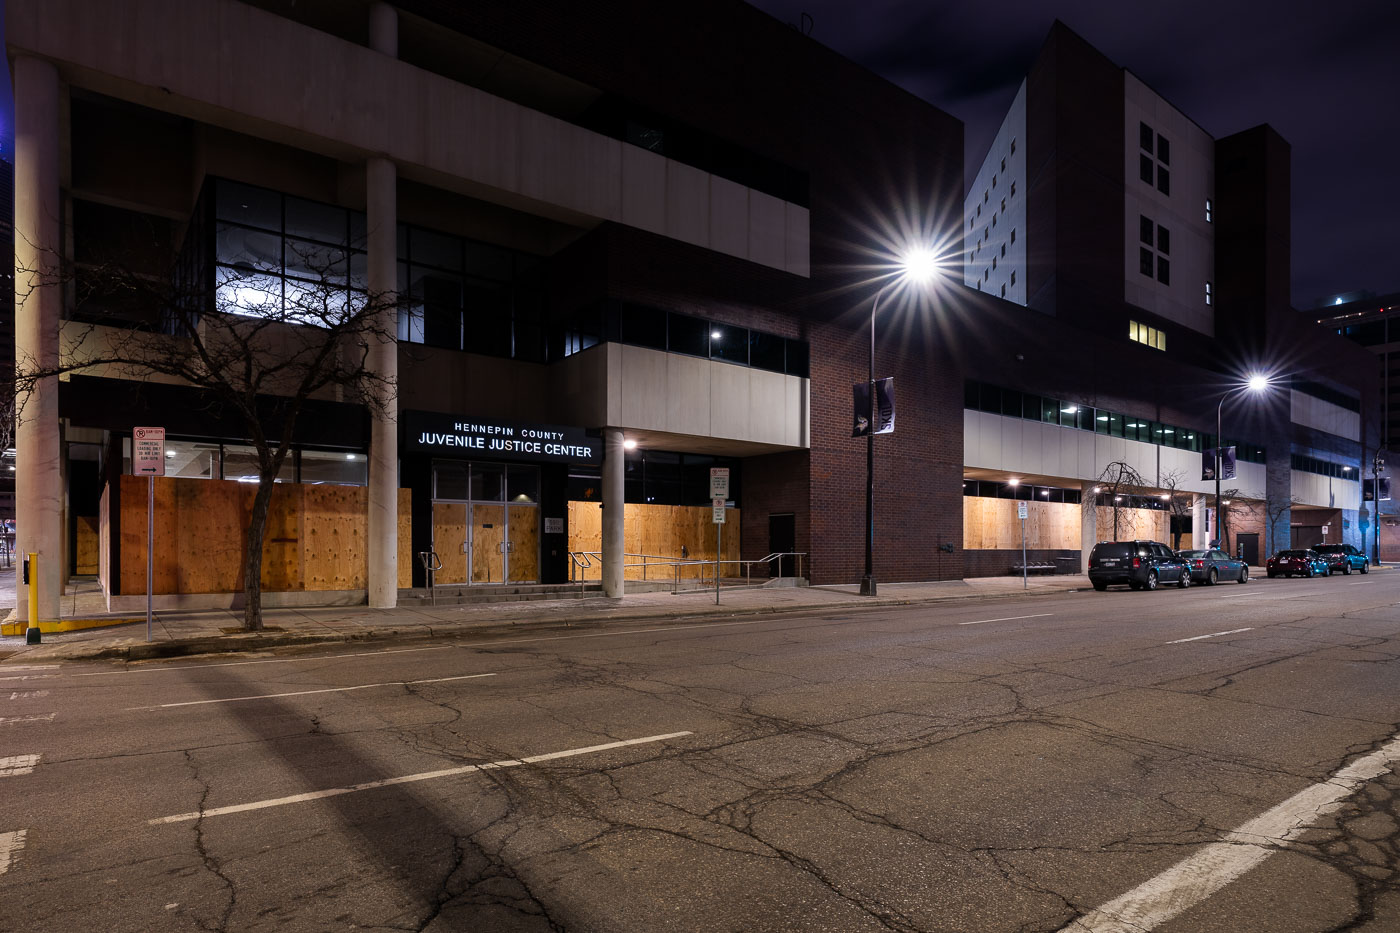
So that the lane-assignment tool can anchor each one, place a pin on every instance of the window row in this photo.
(614, 321)
(205, 459)
(1323, 467)
(1012, 403)
(989, 489)
(485, 482)
(1151, 336)
(660, 477)
(1150, 161)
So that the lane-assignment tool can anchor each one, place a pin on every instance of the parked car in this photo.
(1344, 558)
(1213, 566)
(1142, 565)
(1302, 562)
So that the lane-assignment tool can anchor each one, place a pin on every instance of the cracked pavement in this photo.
(880, 770)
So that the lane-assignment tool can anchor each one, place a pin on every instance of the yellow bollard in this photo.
(32, 634)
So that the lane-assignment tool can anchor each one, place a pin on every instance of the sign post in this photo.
(148, 460)
(719, 492)
(1021, 510)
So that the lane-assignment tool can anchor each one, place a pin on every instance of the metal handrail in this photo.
(584, 560)
(431, 565)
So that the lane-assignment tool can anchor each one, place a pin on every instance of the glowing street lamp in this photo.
(918, 267)
(1256, 383)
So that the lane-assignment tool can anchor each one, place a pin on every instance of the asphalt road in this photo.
(1084, 761)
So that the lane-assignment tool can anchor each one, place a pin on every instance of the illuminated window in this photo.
(1151, 336)
(1210, 211)
(1210, 294)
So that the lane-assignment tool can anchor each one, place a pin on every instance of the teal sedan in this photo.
(1343, 558)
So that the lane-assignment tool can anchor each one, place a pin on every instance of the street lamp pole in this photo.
(867, 582)
(1256, 383)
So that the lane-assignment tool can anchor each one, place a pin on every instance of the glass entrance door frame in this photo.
(490, 512)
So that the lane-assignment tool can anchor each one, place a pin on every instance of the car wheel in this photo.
(1100, 587)
(1366, 567)
(1212, 578)
(1184, 580)
(1151, 582)
(1346, 569)
(1308, 573)
(1329, 570)
(1244, 575)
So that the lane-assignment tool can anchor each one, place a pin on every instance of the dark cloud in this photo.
(1325, 76)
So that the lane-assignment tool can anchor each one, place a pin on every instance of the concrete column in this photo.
(384, 29)
(1088, 525)
(1200, 537)
(382, 221)
(38, 306)
(613, 471)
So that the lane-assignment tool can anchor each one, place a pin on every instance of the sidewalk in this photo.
(181, 633)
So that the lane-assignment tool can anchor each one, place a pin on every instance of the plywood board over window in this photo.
(656, 534)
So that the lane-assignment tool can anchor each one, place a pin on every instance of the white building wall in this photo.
(994, 212)
(1313, 412)
(1191, 172)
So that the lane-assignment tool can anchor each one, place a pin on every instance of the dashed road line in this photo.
(16, 765)
(302, 693)
(11, 844)
(1233, 631)
(37, 717)
(30, 677)
(411, 778)
(1201, 875)
(28, 694)
(1008, 618)
(30, 667)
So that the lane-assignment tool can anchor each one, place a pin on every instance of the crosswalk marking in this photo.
(10, 846)
(16, 765)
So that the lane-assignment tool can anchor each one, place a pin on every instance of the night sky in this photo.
(1327, 81)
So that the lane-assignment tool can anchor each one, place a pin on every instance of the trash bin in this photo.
(1066, 565)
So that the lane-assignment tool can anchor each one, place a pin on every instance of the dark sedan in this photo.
(1213, 566)
(1300, 562)
(1344, 558)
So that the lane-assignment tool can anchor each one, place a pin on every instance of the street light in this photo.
(916, 267)
(1256, 383)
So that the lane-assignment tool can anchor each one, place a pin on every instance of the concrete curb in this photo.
(224, 644)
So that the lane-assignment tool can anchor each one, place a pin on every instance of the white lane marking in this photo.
(30, 677)
(11, 844)
(46, 717)
(411, 778)
(1008, 618)
(28, 694)
(1198, 876)
(302, 693)
(1233, 631)
(1359, 583)
(16, 765)
(30, 667)
(301, 660)
(1273, 596)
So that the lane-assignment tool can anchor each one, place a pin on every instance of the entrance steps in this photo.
(499, 593)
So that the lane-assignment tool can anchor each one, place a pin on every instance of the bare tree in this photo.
(1234, 503)
(256, 343)
(1179, 504)
(1118, 483)
(1274, 511)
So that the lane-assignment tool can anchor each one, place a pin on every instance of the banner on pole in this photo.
(860, 395)
(884, 405)
(1227, 463)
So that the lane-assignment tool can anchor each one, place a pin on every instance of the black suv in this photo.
(1140, 564)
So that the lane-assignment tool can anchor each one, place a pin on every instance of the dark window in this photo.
(1164, 180)
(1145, 230)
(990, 400)
(244, 204)
(688, 335)
(1003, 165)
(1013, 189)
(766, 351)
(314, 221)
(729, 343)
(1013, 276)
(1003, 289)
(1164, 239)
(970, 394)
(1164, 150)
(1115, 424)
(797, 355)
(1003, 249)
(1011, 403)
(1164, 270)
(1145, 136)
(1145, 166)
(1145, 261)
(1013, 234)
(643, 327)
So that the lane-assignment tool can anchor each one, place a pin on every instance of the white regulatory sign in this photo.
(1021, 510)
(148, 451)
(719, 510)
(719, 483)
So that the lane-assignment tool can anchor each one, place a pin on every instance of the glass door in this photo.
(480, 537)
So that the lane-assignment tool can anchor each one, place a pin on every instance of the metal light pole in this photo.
(918, 266)
(1376, 464)
(867, 582)
(1257, 383)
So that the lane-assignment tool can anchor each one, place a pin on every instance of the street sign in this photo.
(1021, 511)
(148, 451)
(719, 511)
(719, 484)
(1325, 529)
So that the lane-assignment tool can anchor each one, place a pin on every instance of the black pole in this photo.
(867, 582)
(1219, 516)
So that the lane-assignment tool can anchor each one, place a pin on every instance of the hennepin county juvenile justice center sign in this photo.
(450, 435)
